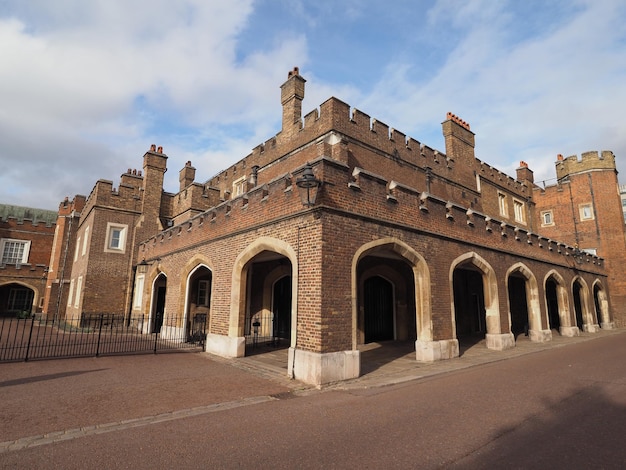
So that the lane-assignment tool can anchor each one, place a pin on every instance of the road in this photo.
(558, 408)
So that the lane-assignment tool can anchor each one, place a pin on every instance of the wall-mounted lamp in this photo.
(142, 267)
(308, 186)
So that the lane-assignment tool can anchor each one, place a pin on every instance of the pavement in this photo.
(43, 402)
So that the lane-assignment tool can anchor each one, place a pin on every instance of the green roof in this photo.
(20, 213)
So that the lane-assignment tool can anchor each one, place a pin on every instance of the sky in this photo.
(86, 86)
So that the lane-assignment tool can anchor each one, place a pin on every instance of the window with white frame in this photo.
(70, 296)
(239, 186)
(502, 204)
(85, 241)
(77, 249)
(138, 295)
(116, 238)
(547, 218)
(519, 211)
(204, 293)
(586, 211)
(79, 286)
(14, 251)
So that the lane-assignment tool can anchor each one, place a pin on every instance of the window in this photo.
(138, 290)
(204, 293)
(239, 186)
(586, 211)
(502, 204)
(85, 241)
(14, 251)
(520, 213)
(116, 238)
(20, 299)
(71, 294)
(547, 218)
(76, 249)
(79, 286)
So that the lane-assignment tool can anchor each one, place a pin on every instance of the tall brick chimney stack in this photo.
(459, 141)
(291, 96)
(524, 173)
(154, 168)
(186, 175)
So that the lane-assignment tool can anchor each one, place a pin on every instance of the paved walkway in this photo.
(52, 401)
(394, 362)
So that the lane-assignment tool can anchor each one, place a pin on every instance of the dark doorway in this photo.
(378, 309)
(159, 310)
(578, 305)
(596, 302)
(518, 305)
(469, 303)
(15, 299)
(282, 309)
(553, 304)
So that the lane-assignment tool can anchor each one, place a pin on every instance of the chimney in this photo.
(524, 173)
(291, 96)
(186, 175)
(459, 140)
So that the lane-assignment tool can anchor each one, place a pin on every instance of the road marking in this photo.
(84, 431)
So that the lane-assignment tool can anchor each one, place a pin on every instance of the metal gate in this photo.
(93, 335)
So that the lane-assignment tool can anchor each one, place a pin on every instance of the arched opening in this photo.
(552, 302)
(157, 313)
(518, 304)
(391, 303)
(198, 310)
(469, 305)
(475, 306)
(269, 304)
(578, 304)
(601, 306)
(16, 300)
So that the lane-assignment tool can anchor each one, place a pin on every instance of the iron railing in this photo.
(93, 335)
(263, 329)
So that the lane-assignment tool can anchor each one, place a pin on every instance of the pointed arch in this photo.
(240, 279)
(584, 298)
(490, 288)
(421, 276)
(535, 330)
(601, 303)
(566, 324)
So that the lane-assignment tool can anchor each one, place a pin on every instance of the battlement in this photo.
(500, 178)
(392, 201)
(588, 161)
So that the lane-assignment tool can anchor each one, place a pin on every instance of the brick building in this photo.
(340, 231)
(26, 237)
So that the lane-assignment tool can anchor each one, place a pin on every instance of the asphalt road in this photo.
(559, 408)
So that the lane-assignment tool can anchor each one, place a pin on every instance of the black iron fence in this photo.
(264, 329)
(98, 335)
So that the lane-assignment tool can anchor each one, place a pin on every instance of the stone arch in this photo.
(421, 279)
(426, 349)
(157, 309)
(566, 326)
(239, 285)
(36, 294)
(601, 303)
(193, 266)
(584, 298)
(494, 337)
(535, 330)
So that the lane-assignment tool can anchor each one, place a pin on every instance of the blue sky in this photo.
(87, 86)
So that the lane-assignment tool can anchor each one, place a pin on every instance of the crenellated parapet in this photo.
(501, 179)
(362, 193)
(588, 161)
